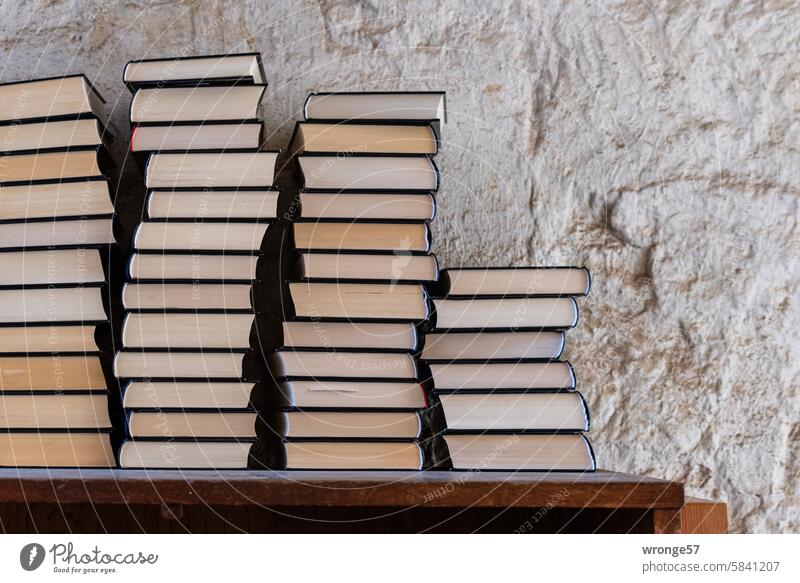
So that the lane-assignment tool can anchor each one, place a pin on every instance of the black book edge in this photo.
(298, 215)
(213, 81)
(261, 456)
(420, 449)
(489, 331)
(253, 366)
(262, 397)
(105, 164)
(259, 251)
(171, 85)
(298, 253)
(433, 324)
(582, 401)
(152, 191)
(430, 159)
(56, 430)
(106, 254)
(295, 151)
(57, 150)
(548, 470)
(416, 326)
(298, 248)
(84, 216)
(102, 336)
(323, 93)
(103, 133)
(260, 328)
(258, 421)
(141, 156)
(42, 79)
(348, 221)
(146, 167)
(443, 290)
(63, 117)
(424, 367)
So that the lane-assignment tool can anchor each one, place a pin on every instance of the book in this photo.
(199, 236)
(210, 169)
(528, 452)
(212, 204)
(225, 69)
(192, 424)
(355, 365)
(56, 213)
(368, 172)
(56, 200)
(196, 104)
(175, 364)
(367, 206)
(168, 266)
(50, 339)
(352, 301)
(57, 233)
(54, 411)
(348, 425)
(542, 412)
(362, 237)
(49, 305)
(50, 166)
(515, 281)
(149, 394)
(364, 138)
(399, 266)
(513, 313)
(176, 330)
(191, 455)
(41, 136)
(492, 345)
(57, 450)
(380, 105)
(51, 267)
(361, 335)
(51, 373)
(502, 375)
(352, 394)
(231, 136)
(359, 455)
(186, 296)
(49, 99)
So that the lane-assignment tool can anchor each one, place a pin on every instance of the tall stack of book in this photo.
(56, 232)
(347, 372)
(190, 344)
(508, 402)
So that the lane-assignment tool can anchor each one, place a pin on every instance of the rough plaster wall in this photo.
(654, 142)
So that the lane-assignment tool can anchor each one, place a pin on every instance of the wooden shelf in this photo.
(656, 503)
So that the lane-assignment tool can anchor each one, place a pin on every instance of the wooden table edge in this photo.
(606, 490)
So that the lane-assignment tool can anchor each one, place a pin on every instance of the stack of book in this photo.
(347, 372)
(56, 232)
(508, 402)
(190, 345)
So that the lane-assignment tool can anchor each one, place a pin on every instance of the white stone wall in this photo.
(655, 142)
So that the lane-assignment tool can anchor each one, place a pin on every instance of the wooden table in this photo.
(324, 501)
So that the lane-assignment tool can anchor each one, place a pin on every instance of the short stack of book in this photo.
(347, 371)
(508, 402)
(56, 236)
(190, 345)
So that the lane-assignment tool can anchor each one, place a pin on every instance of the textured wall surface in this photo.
(654, 142)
